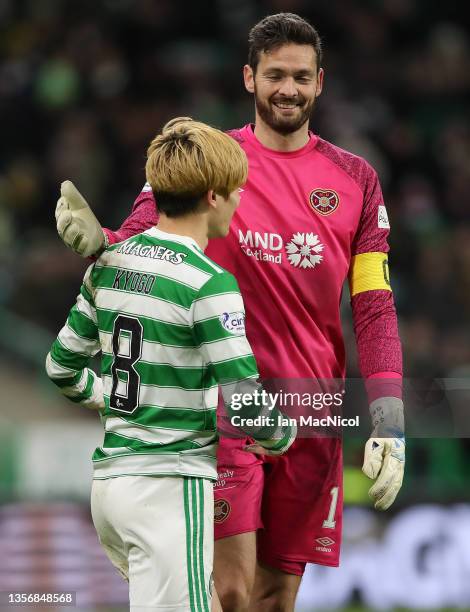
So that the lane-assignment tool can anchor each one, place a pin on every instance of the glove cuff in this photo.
(387, 416)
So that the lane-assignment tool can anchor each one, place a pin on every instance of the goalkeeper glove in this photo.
(384, 456)
(77, 225)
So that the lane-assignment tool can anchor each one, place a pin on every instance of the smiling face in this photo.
(286, 84)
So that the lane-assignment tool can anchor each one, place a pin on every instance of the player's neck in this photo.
(189, 226)
(280, 142)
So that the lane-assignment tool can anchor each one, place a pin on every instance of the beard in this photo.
(284, 125)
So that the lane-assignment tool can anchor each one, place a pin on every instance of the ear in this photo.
(249, 78)
(211, 199)
(320, 75)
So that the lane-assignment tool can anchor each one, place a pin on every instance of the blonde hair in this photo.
(190, 158)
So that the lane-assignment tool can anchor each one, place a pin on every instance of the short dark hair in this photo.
(281, 29)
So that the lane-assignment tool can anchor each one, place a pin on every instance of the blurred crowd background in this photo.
(84, 86)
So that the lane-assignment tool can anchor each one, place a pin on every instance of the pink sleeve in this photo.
(384, 384)
(374, 315)
(370, 237)
(376, 329)
(143, 216)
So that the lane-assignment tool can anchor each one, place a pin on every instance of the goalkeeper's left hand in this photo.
(384, 456)
(76, 224)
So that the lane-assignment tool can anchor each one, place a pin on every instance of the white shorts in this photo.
(159, 533)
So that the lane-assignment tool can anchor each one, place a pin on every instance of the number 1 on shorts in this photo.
(330, 523)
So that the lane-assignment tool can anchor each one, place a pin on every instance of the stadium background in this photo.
(83, 88)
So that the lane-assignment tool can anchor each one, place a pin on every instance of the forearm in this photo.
(376, 330)
(70, 354)
(250, 410)
(81, 386)
(143, 216)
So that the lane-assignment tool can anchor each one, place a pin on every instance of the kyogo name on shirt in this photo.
(127, 280)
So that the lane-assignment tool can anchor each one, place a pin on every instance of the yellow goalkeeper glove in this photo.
(384, 456)
(76, 224)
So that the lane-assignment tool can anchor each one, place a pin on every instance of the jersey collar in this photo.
(248, 133)
(186, 240)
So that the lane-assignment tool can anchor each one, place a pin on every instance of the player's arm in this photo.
(82, 232)
(378, 346)
(77, 342)
(218, 316)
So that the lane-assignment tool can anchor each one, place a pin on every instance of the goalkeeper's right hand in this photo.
(77, 225)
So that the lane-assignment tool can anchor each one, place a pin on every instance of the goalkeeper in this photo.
(170, 326)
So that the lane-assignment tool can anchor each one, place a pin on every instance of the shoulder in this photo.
(88, 276)
(123, 246)
(355, 166)
(236, 134)
(198, 259)
(219, 283)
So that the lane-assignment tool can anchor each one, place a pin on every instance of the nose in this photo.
(288, 88)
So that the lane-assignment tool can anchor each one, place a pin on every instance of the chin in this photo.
(288, 125)
(280, 123)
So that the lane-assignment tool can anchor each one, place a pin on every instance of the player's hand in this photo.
(384, 460)
(98, 405)
(77, 225)
(273, 447)
(257, 449)
(384, 456)
(96, 399)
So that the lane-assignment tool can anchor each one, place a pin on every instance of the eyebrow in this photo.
(297, 73)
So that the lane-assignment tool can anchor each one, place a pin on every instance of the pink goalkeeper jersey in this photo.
(302, 216)
(290, 248)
